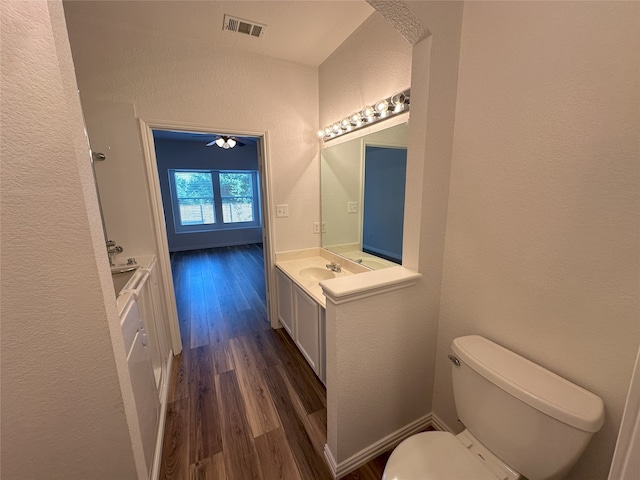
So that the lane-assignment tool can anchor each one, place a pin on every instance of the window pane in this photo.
(236, 190)
(195, 197)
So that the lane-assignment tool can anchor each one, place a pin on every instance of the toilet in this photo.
(521, 421)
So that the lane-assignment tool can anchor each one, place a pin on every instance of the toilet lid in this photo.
(434, 456)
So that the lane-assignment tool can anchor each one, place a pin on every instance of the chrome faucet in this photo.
(334, 267)
(112, 251)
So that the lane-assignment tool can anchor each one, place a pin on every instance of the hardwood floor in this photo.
(243, 402)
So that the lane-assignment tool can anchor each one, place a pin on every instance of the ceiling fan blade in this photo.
(239, 143)
(211, 143)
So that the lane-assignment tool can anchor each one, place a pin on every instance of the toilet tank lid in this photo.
(536, 386)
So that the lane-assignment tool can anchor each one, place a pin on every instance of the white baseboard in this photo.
(438, 424)
(372, 451)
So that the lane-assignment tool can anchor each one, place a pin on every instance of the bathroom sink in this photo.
(120, 279)
(316, 274)
(123, 268)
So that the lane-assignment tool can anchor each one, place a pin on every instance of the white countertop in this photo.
(308, 267)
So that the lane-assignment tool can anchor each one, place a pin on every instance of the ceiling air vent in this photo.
(239, 25)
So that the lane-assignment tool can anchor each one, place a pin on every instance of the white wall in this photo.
(543, 228)
(341, 183)
(177, 79)
(195, 155)
(373, 63)
(113, 130)
(62, 407)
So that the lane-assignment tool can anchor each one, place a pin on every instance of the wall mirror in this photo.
(362, 189)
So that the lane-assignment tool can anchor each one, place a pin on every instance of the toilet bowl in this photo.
(443, 456)
(520, 419)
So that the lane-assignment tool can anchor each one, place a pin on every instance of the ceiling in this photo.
(297, 30)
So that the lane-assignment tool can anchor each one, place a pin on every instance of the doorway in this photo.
(208, 203)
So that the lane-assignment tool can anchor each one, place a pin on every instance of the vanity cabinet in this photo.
(155, 322)
(147, 343)
(147, 403)
(304, 320)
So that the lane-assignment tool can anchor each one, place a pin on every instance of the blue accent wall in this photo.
(385, 171)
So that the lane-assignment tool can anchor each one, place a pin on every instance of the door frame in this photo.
(153, 184)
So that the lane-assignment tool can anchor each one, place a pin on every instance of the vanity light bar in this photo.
(381, 110)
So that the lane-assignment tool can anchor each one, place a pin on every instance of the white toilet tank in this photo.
(532, 419)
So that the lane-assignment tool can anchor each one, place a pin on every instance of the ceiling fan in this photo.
(226, 142)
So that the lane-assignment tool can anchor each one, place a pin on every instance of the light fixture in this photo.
(226, 142)
(381, 110)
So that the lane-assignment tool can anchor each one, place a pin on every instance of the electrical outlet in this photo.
(316, 227)
(352, 207)
(324, 227)
(282, 210)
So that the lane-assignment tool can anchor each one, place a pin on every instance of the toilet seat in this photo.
(435, 456)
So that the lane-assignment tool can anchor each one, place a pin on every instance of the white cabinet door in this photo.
(157, 328)
(307, 336)
(146, 396)
(142, 381)
(285, 302)
(147, 311)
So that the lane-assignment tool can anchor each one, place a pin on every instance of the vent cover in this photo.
(240, 25)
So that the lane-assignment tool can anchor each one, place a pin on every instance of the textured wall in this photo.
(113, 130)
(341, 180)
(377, 365)
(173, 78)
(373, 63)
(543, 228)
(62, 406)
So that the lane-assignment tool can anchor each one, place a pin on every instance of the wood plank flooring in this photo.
(243, 402)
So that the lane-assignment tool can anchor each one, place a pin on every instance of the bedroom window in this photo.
(214, 199)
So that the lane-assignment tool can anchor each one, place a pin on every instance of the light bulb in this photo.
(355, 118)
(345, 124)
(398, 100)
(367, 112)
(226, 146)
(335, 128)
(231, 142)
(327, 131)
(382, 106)
(220, 142)
(320, 133)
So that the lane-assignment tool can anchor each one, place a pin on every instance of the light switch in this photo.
(352, 207)
(282, 210)
(316, 227)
